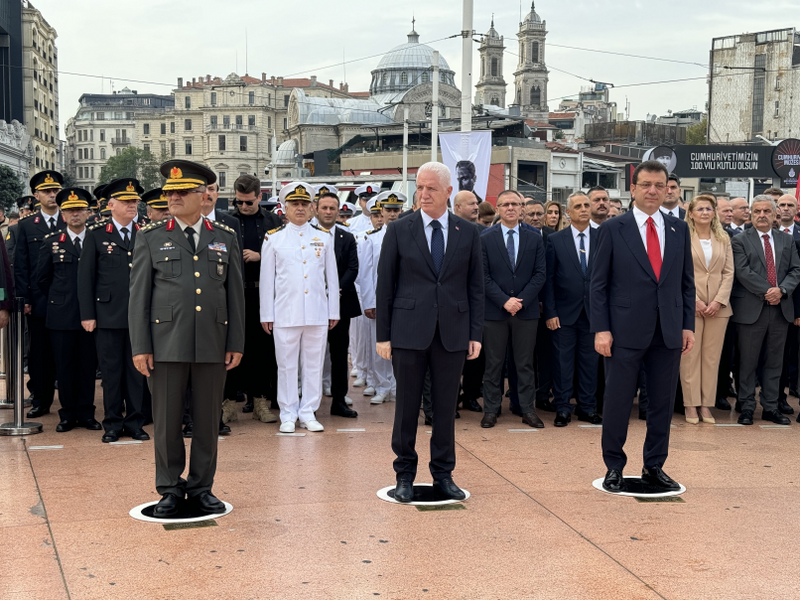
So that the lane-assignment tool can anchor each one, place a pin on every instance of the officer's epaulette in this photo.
(223, 226)
(346, 223)
(98, 223)
(320, 228)
(29, 215)
(49, 235)
(153, 225)
(276, 230)
(376, 230)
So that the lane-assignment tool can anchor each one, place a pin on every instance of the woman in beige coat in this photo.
(713, 279)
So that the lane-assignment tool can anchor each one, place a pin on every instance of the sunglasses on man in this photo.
(247, 202)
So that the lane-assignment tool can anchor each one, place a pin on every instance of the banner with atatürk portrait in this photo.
(468, 155)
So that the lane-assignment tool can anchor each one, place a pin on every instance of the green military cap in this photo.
(186, 175)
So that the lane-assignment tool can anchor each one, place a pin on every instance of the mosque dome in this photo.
(532, 17)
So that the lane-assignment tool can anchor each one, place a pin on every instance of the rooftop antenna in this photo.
(245, 52)
(520, 12)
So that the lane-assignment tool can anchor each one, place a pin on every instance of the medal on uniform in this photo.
(220, 269)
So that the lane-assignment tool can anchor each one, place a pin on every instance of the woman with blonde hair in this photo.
(713, 279)
(554, 215)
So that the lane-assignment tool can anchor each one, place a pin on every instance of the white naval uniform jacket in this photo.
(369, 255)
(360, 224)
(299, 281)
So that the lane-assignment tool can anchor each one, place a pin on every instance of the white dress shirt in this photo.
(212, 216)
(506, 231)
(426, 223)
(369, 253)
(130, 227)
(737, 228)
(771, 243)
(593, 225)
(789, 229)
(641, 223)
(195, 227)
(708, 250)
(360, 223)
(54, 217)
(73, 235)
(675, 212)
(576, 237)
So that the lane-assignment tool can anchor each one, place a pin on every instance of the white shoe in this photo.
(287, 427)
(390, 398)
(360, 382)
(326, 392)
(312, 426)
(370, 391)
(354, 373)
(378, 399)
(348, 401)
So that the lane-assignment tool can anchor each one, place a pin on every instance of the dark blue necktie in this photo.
(583, 254)
(511, 250)
(437, 245)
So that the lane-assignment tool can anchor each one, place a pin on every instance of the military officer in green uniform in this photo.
(186, 318)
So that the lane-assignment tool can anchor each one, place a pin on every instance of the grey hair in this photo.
(765, 198)
(575, 195)
(440, 170)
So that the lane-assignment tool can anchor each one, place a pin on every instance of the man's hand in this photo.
(4, 317)
(513, 305)
(712, 309)
(369, 313)
(553, 324)
(143, 363)
(603, 340)
(688, 341)
(267, 327)
(384, 350)
(28, 309)
(89, 325)
(474, 350)
(700, 307)
(251, 256)
(773, 296)
(232, 360)
(332, 323)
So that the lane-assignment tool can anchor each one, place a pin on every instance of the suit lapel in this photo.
(417, 227)
(570, 250)
(671, 243)
(716, 252)
(503, 248)
(523, 244)
(630, 233)
(752, 236)
(179, 237)
(778, 241)
(453, 239)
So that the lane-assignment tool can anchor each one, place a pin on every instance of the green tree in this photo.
(696, 134)
(69, 180)
(135, 163)
(11, 187)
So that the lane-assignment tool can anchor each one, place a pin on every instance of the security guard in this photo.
(299, 304)
(73, 348)
(31, 233)
(103, 283)
(186, 318)
(157, 204)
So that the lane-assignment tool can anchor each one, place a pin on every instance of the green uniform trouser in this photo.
(168, 384)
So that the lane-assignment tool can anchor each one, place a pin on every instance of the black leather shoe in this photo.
(775, 417)
(458, 415)
(340, 409)
(111, 436)
(738, 407)
(139, 434)
(37, 411)
(784, 408)
(592, 417)
(404, 492)
(533, 420)
(722, 404)
(489, 420)
(224, 429)
(613, 481)
(428, 420)
(187, 430)
(562, 419)
(248, 406)
(658, 478)
(746, 418)
(90, 424)
(470, 404)
(207, 503)
(64, 426)
(798, 418)
(679, 408)
(643, 415)
(546, 405)
(445, 489)
(167, 507)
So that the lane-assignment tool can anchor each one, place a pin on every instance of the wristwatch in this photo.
(783, 291)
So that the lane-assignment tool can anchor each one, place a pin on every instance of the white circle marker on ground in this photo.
(598, 484)
(384, 495)
(137, 514)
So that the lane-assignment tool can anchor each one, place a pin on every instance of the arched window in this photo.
(535, 52)
(536, 96)
(494, 67)
(425, 77)
(521, 52)
(91, 153)
(483, 67)
(495, 101)
(519, 96)
(102, 153)
(385, 78)
(403, 78)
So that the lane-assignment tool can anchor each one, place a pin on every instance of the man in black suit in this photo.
(641, 305)
(209, 209)
(31, 233)
(344, 247)
(566, 308)
(767, 271)
(740, 218)
(787, 212)
(514, 273)
(729, 360)
(429, 313)
(73, 348)
(672, 200)
(103, 292)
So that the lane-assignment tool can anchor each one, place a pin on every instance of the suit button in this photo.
(226, 322)
(306, 276)
(198, 290)
(196, 274)
(438, 284)
(197, 308)
(130, 264)
(129, 253)
(302, 247)
(157, 321)
(195, 257)
(166, 259)
(435, 306)
(301, 235)
(512, 291)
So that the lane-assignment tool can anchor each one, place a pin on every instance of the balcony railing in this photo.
(230, 127)
(120, 141)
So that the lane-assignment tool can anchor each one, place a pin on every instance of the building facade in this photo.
(16, 149)
(11, 107)
(531, 76)
(40, 88)
(491, 87)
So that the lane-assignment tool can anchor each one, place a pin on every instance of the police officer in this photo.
(103, 283)
(157, 204)
(299, 304)
(186, 319)
(73, 348)
(31, 233)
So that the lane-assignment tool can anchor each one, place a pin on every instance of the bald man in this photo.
(465, 205)
(741, 215)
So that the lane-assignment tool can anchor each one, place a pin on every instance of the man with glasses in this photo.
(157, 204)
(740, 217)
(186, 319)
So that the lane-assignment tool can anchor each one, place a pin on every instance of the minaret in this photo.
(531, 76)
(491, 87)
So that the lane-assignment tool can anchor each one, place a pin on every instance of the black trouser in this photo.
(41, 366)
(123, 385)
(472, 376)
(728, 362)
(789, 372)
(544, 364)
(339, 340)
(76, 364)
(768, 333)
(409, 369)
(521, 335)
(574, 354)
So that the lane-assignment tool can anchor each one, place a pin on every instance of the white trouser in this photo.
(326, 367)
(294, 346)
(363, 351)
(381, 373)
(356, 357)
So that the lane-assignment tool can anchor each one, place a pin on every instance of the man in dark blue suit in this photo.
(642, 305)
(672, 201)
(429, 315)
(787, 211)
(566, 308)
(514, 273)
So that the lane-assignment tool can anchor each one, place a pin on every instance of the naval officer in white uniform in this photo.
(299, 304)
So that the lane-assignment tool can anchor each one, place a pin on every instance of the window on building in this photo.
(118, 116)
(495, 101)
(226, 121)
(251, 121)
(92, 171)
(222, 179)
(146, 148)
(403, 78)
(91, 153)
(535, 52)
(251, 97)
(759, 76)
(91, 135)
(239, 121)
(172, 148)
(188, 147)
(494, 67)
(102, 135)
(102, 153)
(778, 82)
(213, 98)
(129, 116)
(777, 108)
(187, 124)
(117, 151)
(243, 143)
(483, 66)
(222, 141)
(80, 169)
(80, 152)
(425, 77)
(172, 127)
(213, 120)
(285, 124)
(163, 129)
(146, 128)
(269, 122)
(187, 102)
(536, 96)
(286, 100)
(101, 116)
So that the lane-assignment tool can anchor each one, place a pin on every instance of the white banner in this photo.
(468, 155)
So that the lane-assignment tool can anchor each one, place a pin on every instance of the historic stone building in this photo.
(531, 76)
(16, 149)
(491, 87)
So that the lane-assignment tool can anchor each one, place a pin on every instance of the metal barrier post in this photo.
(16, 382)
(6, 402)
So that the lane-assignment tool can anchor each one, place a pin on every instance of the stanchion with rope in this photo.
(15, 379)
(5, 364)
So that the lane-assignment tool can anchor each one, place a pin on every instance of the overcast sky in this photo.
(157, 41)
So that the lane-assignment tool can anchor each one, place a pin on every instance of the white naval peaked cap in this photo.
(325, 188)
(372, 205)
(297, 190)
(347, 207)
(367, 188)
(391, 198)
